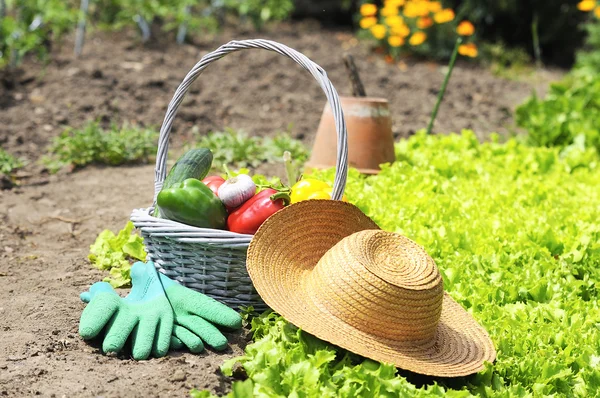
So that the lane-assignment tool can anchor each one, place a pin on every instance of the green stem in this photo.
(443, 89)
(281, 195)
(289, 168)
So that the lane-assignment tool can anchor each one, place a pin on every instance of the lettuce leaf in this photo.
(116, 253)
(514, 231)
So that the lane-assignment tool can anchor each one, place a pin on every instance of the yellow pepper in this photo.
(310, 188)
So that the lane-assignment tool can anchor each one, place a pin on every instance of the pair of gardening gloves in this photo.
(158, 314)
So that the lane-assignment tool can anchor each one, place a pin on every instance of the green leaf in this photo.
(514, 232)
(115, 253)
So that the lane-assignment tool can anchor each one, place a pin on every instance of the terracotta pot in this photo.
(370, 138)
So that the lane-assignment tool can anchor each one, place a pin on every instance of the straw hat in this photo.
(328, 269)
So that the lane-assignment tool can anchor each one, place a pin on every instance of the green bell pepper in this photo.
(192, 202)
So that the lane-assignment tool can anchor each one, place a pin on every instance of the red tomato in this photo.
(214, 182)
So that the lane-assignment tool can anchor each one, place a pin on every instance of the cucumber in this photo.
(195, 163)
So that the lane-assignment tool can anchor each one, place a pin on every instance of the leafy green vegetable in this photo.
(588, 57)
(8, 162)
(571, 109)
(92, 144)
(514, 231)
(115, 253)
(238, 149)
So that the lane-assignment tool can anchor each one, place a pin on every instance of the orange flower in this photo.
(401, 30)
(368, 10)
(465, 28)
(443, 16)
(416, 9)
(367, 22)
(597, 12)
(394, 3)
(378, 31)
(417, 38)
(396, 41)
(389, 11)
(424, 22)
(586, 5)
(468, 50)
(435, 6)
(394, 20)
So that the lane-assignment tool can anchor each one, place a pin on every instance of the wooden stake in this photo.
(358, 90)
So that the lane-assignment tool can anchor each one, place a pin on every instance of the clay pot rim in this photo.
(365, 99)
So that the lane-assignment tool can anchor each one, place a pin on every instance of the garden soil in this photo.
(48, 222)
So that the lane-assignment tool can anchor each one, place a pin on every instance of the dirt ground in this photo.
(48, 223)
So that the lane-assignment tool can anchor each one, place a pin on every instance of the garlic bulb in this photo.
(236, 190)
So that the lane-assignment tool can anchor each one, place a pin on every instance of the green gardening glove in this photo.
(195, 314)
(145, 315)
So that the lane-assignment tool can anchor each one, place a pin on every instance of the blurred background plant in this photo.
(549, 31)
(588, 57)
(517, 23)
(92, 144)
(30, 26)
(260, 12)
(421, 27)
(238, 149)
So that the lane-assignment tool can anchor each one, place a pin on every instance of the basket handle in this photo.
(318, 73)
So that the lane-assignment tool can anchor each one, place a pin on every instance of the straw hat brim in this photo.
(288, 246)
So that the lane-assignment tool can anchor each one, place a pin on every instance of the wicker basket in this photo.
(213, 261)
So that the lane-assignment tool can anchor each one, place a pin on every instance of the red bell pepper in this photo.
(248, 217)
(214, 182)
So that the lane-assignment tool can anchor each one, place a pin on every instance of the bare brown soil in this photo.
(47, 224)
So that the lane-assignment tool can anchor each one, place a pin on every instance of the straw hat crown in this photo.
(374, 277)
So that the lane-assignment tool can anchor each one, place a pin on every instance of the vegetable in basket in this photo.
(192, 203)
(248, 217)
(237, 190)
(195, 163)
(214, 182)
(310, 188)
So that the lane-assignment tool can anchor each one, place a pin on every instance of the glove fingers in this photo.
(176, 344)
(164, 330)
(96, 315)
(207, 331)
(142, 338)
(210, 309)
(191, 341)
(118, 330)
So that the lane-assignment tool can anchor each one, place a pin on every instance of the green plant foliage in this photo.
(589, 57)
(237, 149)
(506, 62)
(514, 231)
(115, 253)
(91, 144)
(117, 14)
(571, 109)
(30, 25)
(261, 11)
(8, 163)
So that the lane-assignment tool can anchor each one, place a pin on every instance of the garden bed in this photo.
(119, 80)
(46, 229)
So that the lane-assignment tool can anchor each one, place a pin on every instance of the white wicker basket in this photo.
(213, 261)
